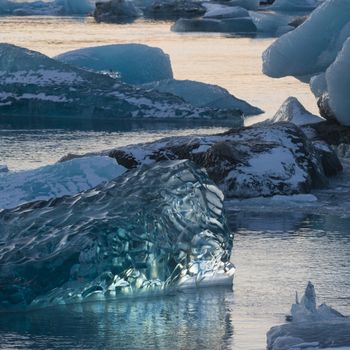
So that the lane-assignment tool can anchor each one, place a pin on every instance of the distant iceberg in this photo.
(151, 230)
(57, 180)
(131, 63)
(43, 8)
(311, 327)
(36, 86)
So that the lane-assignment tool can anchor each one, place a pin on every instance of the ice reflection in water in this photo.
(200, 320)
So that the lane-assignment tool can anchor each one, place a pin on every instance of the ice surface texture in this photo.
(203, 95)
(262, 160)
(150, 230)
(57, 180)
(133, 63)
(34, 85)
(312, 327)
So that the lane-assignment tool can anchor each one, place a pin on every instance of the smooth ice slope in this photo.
(57, 180)
(132, 63)
(313, 46)
(204, 95)
(150, 230)
(51, 8)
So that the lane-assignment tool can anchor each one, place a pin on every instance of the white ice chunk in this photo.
(313, 46)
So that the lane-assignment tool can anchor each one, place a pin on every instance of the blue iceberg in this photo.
(57, 180)
(151, 230)
(131, 63)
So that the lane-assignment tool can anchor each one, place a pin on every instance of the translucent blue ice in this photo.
(151, 230)
(132, 63)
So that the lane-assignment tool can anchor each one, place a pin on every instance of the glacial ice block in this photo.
(132, 63)
(57, 180)
(201, 94)
(151, 230)
(313, 46)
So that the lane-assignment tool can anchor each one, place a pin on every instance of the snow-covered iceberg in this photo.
(262, 160)
(293, 111)
(201, 94)
(36, 86)
(167, 232)
(130, 63)
(311, 327)
(57, 180)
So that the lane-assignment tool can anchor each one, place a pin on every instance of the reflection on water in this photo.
(272, 264)
(185, 321)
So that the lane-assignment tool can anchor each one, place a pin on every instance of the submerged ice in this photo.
(150, 230)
